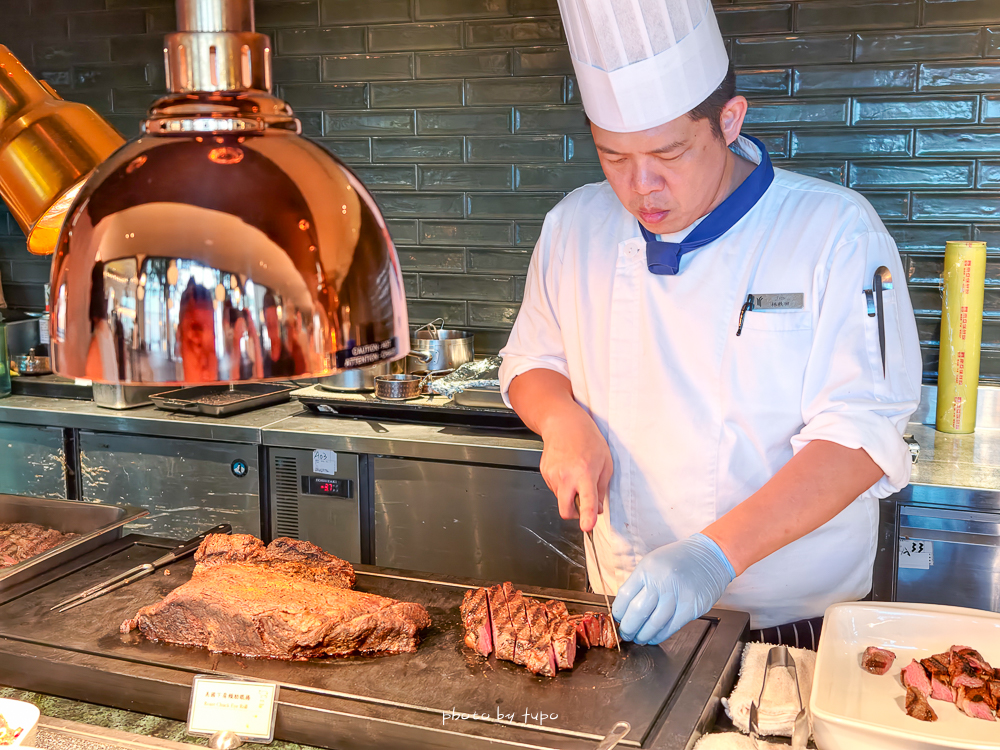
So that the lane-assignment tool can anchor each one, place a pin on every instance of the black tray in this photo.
(50, 386)
(423, 413)
(220, 401)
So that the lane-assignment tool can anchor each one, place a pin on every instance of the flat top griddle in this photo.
(441, 676)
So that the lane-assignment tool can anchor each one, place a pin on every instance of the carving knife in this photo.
(140, 571)
(604, 589)
(600, 577)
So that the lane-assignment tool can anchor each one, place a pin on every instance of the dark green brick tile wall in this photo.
(463, 117)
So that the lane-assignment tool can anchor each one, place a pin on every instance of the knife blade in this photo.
(600, 576)
(139, 571)
(604, 589)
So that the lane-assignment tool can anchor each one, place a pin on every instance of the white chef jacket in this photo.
(698, 418)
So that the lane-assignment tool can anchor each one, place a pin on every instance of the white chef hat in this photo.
(641, 63)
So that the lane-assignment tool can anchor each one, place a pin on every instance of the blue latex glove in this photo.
(670, 587)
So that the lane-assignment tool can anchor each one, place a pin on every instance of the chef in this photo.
(720, 385)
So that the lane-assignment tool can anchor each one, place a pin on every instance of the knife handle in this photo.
(191, 545)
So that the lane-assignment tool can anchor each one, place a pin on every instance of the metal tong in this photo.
(779, 657)
(616, 735)
(600, 575)
(139, 571)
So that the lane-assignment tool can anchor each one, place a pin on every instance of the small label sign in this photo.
(915, 554)
(324, 462)
(240, 706)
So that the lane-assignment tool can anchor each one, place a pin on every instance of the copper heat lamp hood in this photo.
(220, 245)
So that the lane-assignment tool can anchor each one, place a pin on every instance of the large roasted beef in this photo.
(542, 636)
(19, 541)
(289, 600)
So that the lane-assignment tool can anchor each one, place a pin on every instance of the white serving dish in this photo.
(20, 714)
(855, 710)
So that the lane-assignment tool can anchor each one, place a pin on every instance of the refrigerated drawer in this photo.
(32, 461)
(186, 485)
(315, 496)
(949, 557)
(482, 522)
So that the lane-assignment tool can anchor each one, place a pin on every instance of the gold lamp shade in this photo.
(47, 148)
(220, 245)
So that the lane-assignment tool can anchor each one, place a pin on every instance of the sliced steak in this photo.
(556, 608)
(540, 657)
(581, 629)
(564, 642)
(937, 667)
(877, 660)
(517, 606)
(917, 705)
(541, 636)
(608, 639)
(916, 677)
(475, 612)
(975, 702)
(251, 609)
(21, 541)
(504, 636)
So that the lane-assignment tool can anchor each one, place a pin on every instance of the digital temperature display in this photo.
(324, 486)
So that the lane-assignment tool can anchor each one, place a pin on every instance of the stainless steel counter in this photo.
(957, 460)
(144, 420)
(287, 425)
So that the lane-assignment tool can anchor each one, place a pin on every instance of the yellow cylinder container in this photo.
(961, 336)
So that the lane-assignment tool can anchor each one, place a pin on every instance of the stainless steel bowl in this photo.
(398, 387)
(30, 364)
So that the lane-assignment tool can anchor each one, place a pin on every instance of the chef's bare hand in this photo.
(576, 465)
(576, 461)
(671, 586)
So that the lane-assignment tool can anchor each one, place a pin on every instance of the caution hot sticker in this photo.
(362, 355)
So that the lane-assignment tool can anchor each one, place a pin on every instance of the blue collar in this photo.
(664, 258)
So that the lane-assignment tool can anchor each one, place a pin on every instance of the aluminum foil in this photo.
(481, 373)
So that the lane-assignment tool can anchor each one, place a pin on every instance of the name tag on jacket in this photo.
(787, 301)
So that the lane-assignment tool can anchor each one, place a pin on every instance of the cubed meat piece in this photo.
(877, 660)
(916, 677)
(938, 666)
(964, 670)
(975, 702)
(918, 707)
(994, 686)
(942, 691)
(475, 612)
(975, 658)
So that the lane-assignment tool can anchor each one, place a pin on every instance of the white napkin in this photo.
(779, 706)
